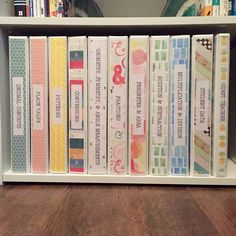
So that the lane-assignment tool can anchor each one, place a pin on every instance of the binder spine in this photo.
(138, 104)
(97, 105)
(201, 87)
(58, 103)
(19, 103)
(39, 104)
(179, 110)
(159, 105)
(221, 104)
(117, 104)
(77, 64)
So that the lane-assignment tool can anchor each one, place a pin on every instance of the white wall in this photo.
(127, 8)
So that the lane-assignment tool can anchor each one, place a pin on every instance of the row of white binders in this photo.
(116, 105)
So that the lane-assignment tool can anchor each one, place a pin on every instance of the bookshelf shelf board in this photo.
(117, 21)
(109, 179)
(113, 25)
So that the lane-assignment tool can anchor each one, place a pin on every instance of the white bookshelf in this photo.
(110, 26)
(125, 179)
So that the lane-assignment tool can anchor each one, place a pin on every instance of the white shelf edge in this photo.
(124, 179)
(116, 21)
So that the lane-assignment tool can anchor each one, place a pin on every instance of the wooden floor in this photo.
(113, 210)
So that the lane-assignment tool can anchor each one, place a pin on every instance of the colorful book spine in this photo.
(201, 87)
(224, 7)
(27, 7)
(117, 104)
(20, 7)
(215, 7)
(159, 100)
(97, 105)
(179, 106)
(205, 8)
(138, 104)
(58, 103)
(39, 104)
(221, 104)
(19, 103)
(59, 8)
(230, 7)
(56, 8)
(52, 8)
(77, 64)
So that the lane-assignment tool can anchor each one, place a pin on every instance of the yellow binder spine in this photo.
(58, 103)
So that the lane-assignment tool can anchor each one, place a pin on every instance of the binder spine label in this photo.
(18, 106)
(117, 108)
(77, 106)
(159, 97)
(57, 101)
(38, 109)
(139, 117)
(161, 91)
(179, 98)
(202, 89)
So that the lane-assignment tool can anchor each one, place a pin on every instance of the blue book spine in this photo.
(179, 105)
(234, 8)
(31, 7)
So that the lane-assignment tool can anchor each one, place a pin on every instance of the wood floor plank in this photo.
(219, 204)
(119, 210)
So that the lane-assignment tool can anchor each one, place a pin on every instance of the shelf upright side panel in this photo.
(4, 106)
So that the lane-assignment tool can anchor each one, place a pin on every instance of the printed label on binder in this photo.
(139, 107)
(179, 106)
(161, 105)
(38, 107)
(202, 90)
(76, 106)
(18, 106)
(57, 106)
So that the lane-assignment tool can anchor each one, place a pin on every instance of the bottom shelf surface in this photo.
(230, 179)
